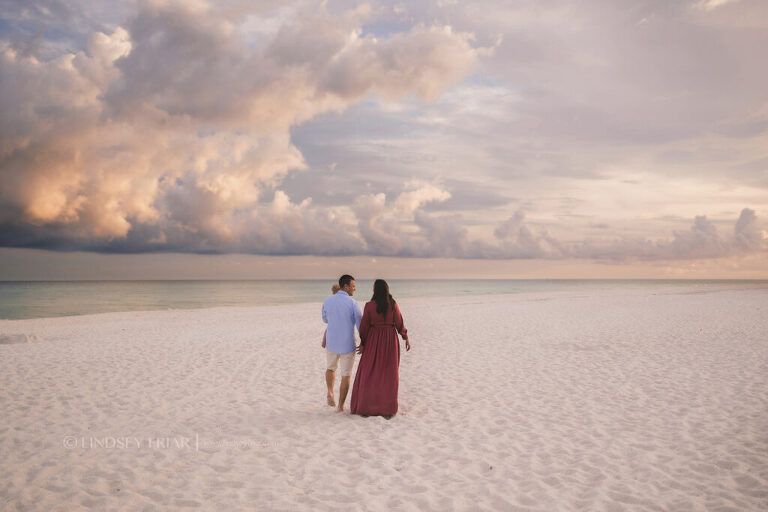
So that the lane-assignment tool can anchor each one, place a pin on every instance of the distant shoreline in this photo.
(331, 279)
(50, 299)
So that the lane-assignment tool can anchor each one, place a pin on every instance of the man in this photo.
(342, 313)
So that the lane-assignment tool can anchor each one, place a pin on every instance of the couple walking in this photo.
(374, 392)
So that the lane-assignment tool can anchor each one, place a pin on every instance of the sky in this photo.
(196, 139)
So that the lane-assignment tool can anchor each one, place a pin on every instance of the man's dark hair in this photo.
(345, 280)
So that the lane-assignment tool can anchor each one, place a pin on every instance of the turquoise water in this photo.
(40, 299)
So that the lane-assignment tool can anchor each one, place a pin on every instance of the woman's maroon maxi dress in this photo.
(374, 392)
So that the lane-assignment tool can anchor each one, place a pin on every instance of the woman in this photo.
(376, 382)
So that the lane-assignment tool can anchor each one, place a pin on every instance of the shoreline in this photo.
(709, 286)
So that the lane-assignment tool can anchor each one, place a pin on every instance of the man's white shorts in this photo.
(347, 360)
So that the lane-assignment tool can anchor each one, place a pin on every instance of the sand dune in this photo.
(610, 401)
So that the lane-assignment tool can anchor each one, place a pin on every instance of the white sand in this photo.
(633, 400)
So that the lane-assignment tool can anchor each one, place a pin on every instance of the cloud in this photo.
(439, 236)
(747, 233)
(518, 241)
(709, 5)
(453, 131)
(381, 235)
(417, 194)
(165, 131)
(701, 241)
(382, 226)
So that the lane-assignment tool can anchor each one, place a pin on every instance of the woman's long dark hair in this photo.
(381, 296)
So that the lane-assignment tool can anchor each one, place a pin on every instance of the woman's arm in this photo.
(400, 326)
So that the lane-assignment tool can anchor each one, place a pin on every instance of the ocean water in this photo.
(41, 299)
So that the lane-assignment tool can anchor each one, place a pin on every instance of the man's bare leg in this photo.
(343, 389)
(330, 378)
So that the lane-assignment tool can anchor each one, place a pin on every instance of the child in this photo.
(334, 289)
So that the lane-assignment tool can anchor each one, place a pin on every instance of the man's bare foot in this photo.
(331, 401)
(339, 409)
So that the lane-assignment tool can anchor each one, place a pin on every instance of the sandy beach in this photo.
(600, 401)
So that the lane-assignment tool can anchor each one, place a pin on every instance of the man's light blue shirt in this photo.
(342, 313)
